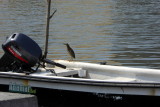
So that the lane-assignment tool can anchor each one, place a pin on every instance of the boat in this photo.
(86, 77)
(24, 69)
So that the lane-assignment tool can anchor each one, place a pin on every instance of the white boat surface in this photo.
(88, 77)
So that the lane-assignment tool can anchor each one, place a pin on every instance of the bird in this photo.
(70, 51)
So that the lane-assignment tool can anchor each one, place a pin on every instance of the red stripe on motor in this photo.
(16, 55)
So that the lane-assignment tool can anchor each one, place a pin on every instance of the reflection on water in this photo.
(121, 32)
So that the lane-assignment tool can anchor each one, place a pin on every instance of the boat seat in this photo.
(66, 72)
(70, 72)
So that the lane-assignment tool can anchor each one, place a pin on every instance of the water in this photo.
(121, 32)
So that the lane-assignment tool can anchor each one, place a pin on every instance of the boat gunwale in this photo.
(80, 81)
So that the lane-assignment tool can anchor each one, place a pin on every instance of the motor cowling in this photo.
(21, 50)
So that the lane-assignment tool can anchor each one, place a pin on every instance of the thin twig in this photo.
(53, 13)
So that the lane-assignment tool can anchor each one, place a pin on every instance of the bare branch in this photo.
(53, 13)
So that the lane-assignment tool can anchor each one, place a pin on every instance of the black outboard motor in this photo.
(21, 53)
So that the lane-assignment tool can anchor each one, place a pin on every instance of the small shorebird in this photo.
(70, 51)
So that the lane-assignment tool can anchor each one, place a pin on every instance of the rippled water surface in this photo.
(121, 32)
